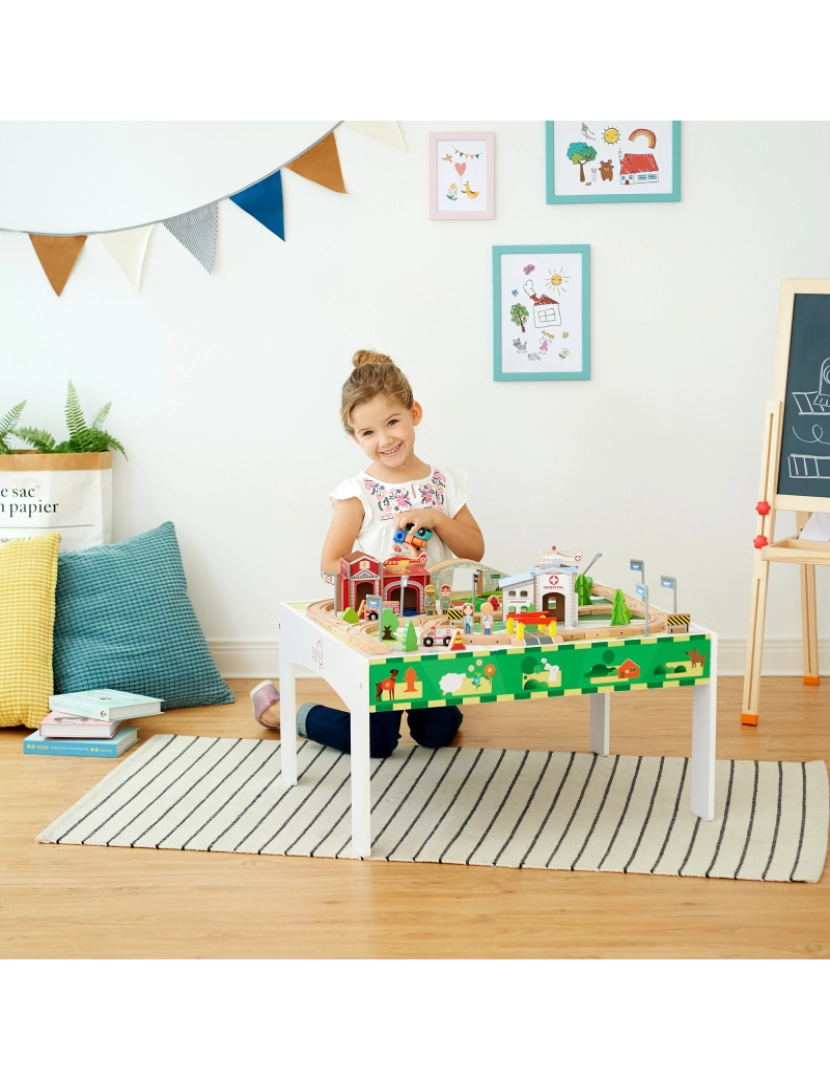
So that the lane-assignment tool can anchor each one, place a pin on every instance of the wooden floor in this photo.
(98, 902)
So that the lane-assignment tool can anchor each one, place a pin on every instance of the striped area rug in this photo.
(514, 808)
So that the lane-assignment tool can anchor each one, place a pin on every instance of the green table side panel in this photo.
(422, 680)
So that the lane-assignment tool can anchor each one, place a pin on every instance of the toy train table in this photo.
(382, 664)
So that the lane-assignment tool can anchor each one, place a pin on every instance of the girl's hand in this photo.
(420, 519)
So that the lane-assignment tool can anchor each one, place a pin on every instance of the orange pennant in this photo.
(57, 256)
(321, 164)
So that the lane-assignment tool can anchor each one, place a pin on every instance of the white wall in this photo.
(225, 388)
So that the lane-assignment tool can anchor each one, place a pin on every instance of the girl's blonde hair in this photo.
(374, 373)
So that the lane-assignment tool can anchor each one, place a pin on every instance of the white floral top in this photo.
(443, 489)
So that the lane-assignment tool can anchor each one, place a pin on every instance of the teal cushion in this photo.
(124, 621)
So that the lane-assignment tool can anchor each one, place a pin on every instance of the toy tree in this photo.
(620, 612)
(389, 622)
(519, 315)
(583, 589)
(350, 616)
(410, 641)
(579, 153)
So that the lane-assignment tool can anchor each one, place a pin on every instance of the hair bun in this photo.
(363, 357)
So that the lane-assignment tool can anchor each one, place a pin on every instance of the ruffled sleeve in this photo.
(455, 491)
(349, 489)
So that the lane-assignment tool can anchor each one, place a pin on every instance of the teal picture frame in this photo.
(635, 196)
(584, 371)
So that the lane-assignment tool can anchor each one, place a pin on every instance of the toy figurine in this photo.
(487, 618)
(468, 611)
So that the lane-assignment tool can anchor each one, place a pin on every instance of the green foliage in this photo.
(350, 616)
(609, 656)
(519, 315)
(530, 664)
(599, 671)
(583, 589)
(8, 426)
(620, 611)
(535, 684)
(680, 669)
(82, 439)
(389, 622)
(410, 641)
(580, 152)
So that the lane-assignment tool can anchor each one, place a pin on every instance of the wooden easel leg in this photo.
(755, 643)
(809, 629)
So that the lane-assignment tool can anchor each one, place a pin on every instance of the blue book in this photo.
(120, 741)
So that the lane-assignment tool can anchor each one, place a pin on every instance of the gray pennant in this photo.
(197, 231)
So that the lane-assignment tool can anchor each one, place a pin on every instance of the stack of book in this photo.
(90, 724)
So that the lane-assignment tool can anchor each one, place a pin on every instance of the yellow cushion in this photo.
(28, 574)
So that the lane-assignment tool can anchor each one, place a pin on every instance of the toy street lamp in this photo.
(670, 583)
(642, 592)
(638, 564)
(591, 563)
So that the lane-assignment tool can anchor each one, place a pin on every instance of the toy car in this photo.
(436, 635)
(414, 537)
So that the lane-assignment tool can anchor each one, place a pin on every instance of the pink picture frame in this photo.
(462, 175)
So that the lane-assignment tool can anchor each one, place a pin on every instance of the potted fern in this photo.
(64, 486)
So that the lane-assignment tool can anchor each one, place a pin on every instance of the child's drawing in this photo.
(552, 294)
(461, 165)
(624, 159)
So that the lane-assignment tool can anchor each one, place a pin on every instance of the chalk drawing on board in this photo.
(817, 432)
(818, 402)
(809, 467)
(807, 404)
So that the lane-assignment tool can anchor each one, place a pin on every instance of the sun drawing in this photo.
(611, 135)
(557, 279)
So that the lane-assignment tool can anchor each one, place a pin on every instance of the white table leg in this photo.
(704, 729)
(288, 719)
(361, 795)
(601, 724)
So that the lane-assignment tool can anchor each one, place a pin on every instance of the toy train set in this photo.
(404, 605)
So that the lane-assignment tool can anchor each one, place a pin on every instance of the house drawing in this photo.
(628, 670)
(638, 169)
(545, 312)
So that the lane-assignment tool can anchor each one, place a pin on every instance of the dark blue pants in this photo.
(332, 727)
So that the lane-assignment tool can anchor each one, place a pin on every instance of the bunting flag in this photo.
(321, 164)
(57, 255)
(263, 201)
(128, 248)
(387, 131)
(196, 230)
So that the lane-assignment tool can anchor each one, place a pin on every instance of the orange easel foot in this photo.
(749, 718)
(811, 680)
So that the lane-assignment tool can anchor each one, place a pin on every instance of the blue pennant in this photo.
(263, 201)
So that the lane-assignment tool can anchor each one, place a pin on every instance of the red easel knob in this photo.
(763, 508)
(760, 541)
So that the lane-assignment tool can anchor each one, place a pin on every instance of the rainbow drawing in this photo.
(652, 138)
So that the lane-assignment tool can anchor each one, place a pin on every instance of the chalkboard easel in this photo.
(795, 468)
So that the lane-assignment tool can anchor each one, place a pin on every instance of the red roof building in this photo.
(639, 169)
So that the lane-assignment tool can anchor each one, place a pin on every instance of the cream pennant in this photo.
(387, 131)
(128, 247)
(57, 256)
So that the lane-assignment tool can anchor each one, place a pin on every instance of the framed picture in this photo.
(612, 161)
(461, 175)
(542, 312)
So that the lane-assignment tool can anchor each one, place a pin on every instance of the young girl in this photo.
(397, 488)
